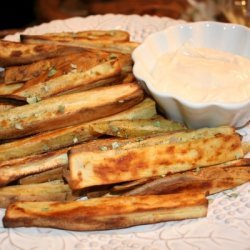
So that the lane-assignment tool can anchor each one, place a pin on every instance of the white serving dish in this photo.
(221, 36)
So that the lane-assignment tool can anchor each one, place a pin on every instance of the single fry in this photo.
(210, 180)
(136, 128)
(89, 79)
(49, 191)
(106, 213)
(120, 164)
(16, 53)
(80, 61)
(113, 35)
(102, 44)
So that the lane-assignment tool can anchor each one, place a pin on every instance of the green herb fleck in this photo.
(237, 156)
(52, 71)
(33, 99)
(232, 195)
(157, 124)
(139, 139)
(112, 56)
(114, 128)
(61, 108)
(103, 148)
(45, 88)
(46, 147)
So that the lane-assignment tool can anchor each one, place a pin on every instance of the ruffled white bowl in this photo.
(227, 37)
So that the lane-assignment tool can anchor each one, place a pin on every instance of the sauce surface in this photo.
(202, 75)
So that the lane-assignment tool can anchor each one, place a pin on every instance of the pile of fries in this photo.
(75, 123)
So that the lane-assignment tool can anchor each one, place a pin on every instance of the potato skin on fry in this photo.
(126, 47)
(67, 110)
(106, 213)
(210, 180)
(15, 53)
(48, 191)
(118, 165)
(63, 137)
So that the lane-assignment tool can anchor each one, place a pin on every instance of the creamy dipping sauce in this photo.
(203, 75)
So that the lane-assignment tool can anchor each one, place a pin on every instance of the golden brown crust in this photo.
(63, 137)
(45, 86)
(118, 165)
(105, 45)
(106, 213)
(82, 61)
(67, 110)
(15, 53)
(18, 168)
(209, 180)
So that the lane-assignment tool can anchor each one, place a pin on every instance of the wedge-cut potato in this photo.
(209, 180)
(7, 89)
(135, 186)
(120, 164)
(47, 141)
(106, 213)
(46, 176)
(16, 53)
(152, 140)
(67, 110)
(113, 35)
(64, 137)
(58, 65)
(89, 79)
(106, 45)
(49, 191)
(135, 128)
(15, 169)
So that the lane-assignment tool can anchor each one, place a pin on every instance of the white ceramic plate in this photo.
(227, 225)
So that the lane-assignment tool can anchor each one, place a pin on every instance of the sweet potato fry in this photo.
(136, 128)
(67, 110)
(80, 61)
(86, 80)
(113, 35)
(106, 213)
(102, 44)
(15, 53)
(209, 180)
(48, 191)
(121, 164)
